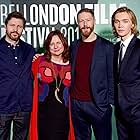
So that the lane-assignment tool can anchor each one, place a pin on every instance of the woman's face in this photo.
(56, 46)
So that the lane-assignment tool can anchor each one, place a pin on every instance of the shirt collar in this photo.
(127, 41)
(10, 45)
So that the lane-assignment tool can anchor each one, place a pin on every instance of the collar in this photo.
(10, 45)
(127, 41)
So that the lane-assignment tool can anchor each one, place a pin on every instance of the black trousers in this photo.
(128, 130)
(20, 125)
(86, 116)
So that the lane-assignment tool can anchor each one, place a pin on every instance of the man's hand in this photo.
(36, 56)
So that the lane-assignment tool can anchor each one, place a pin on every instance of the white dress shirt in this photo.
(126, 43)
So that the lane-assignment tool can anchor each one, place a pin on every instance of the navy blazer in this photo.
(16, 82)
(127, 81)
(101, 72)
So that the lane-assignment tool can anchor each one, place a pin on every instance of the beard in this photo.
(12, 37)
(86, 31)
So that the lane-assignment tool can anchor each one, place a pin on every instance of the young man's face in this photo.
(86, 23)
(123, 25)
(14, 29)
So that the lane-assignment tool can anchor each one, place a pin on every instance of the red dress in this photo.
(34, 113)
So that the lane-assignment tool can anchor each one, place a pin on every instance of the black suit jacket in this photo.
(101, 72)
(127, 81)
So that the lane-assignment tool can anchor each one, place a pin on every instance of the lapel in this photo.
(97, 52)
(74, 54)
(116, 55)
(127, 54)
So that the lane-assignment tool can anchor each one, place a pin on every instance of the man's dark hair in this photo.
(15, 14)
(87, 11)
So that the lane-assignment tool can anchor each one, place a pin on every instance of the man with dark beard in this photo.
(15, 79)
(92, 81)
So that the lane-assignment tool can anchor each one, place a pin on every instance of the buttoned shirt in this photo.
(16, 82)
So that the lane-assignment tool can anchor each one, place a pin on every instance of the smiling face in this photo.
(86, 23)
(56, 46)
(14, 29)
(123, 25)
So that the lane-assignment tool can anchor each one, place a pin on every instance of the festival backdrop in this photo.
(44, 16)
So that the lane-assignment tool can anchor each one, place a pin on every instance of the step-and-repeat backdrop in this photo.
(44, 16)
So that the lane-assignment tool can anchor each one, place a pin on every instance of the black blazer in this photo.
(101, 72)
(127, 81)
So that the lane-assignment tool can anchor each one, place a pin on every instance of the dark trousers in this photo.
(53, 120)
(128, 130)
(85, 116)
(20, 125)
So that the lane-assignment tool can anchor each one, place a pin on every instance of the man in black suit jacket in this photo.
(127, 74)
(92, 81)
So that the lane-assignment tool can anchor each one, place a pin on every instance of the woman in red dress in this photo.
(51, 118)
